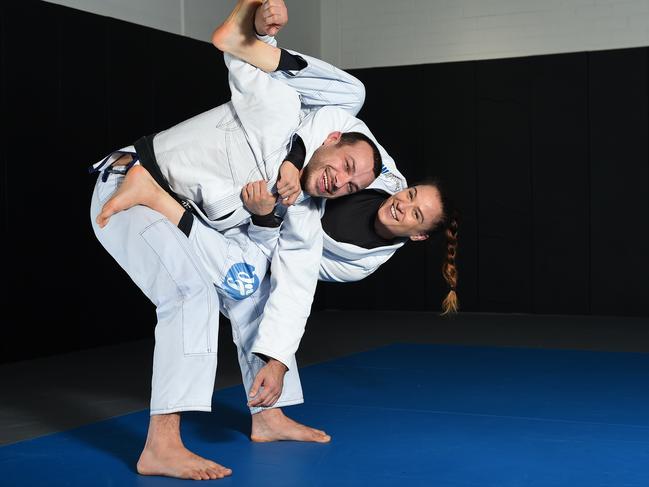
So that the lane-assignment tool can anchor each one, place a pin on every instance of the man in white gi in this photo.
(226, 147)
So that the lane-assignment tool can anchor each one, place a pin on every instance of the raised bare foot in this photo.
(272, 425)
(177, 461)
(237, 28)
(137, 188)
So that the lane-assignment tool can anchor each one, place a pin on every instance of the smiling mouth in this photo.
(325, 181)
(393, 212)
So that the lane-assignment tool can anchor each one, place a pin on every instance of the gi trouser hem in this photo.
(180, 409)
(278, 404)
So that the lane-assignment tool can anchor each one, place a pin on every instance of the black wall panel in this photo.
(505, 186)
(189, 77)
(619, 176)
(83, 127)
(129, 83)
(449, 132)
(35, 177)
(546, 158)
(560, 213)
(6, 342)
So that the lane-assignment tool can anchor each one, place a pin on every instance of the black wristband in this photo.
(297, 153)
(186, 222)
(270, 221)
(290, 62)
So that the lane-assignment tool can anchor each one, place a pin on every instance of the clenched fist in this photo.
(270, 17)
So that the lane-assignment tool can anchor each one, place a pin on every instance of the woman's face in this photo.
(411, 213)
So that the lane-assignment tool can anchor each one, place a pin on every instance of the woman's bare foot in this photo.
(164, 453)
(137, 188)
(272, 425)
(236, 36)
(237, 28)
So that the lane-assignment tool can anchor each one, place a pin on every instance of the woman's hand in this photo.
(270, 17)
(257, 198)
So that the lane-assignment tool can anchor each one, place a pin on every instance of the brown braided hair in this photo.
(449, 224)
(449, 269)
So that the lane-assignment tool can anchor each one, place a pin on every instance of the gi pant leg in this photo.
(322, 84)
(237, 267)
(161, 261)
(245, 317)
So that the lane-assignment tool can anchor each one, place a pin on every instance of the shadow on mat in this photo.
(123, 437)
(220, 424)
(115, 438)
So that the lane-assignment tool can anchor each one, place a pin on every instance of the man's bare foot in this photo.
(177, 461)
(164, 453)
(272, 425)
(236, 36)
(137, 188)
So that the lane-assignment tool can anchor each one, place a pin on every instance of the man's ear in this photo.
(419, 237)
(332, 138)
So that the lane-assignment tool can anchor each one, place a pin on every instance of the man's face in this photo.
(412, 212)
(336, 170)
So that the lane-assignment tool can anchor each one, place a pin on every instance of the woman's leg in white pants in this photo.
(268, 424)
(244, 317)
(237, 267)
(322, 84)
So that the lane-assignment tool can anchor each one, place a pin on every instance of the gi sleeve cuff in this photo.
(269, 221)
(285, 360)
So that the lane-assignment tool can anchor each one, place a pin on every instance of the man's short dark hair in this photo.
(350, 138)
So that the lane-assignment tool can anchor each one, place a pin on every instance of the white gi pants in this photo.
(174, 276)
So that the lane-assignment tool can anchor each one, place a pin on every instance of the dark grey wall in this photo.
(547, 157)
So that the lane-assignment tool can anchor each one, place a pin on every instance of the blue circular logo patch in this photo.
(240, 281)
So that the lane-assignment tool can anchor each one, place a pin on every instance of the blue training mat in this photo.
(403, 415)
